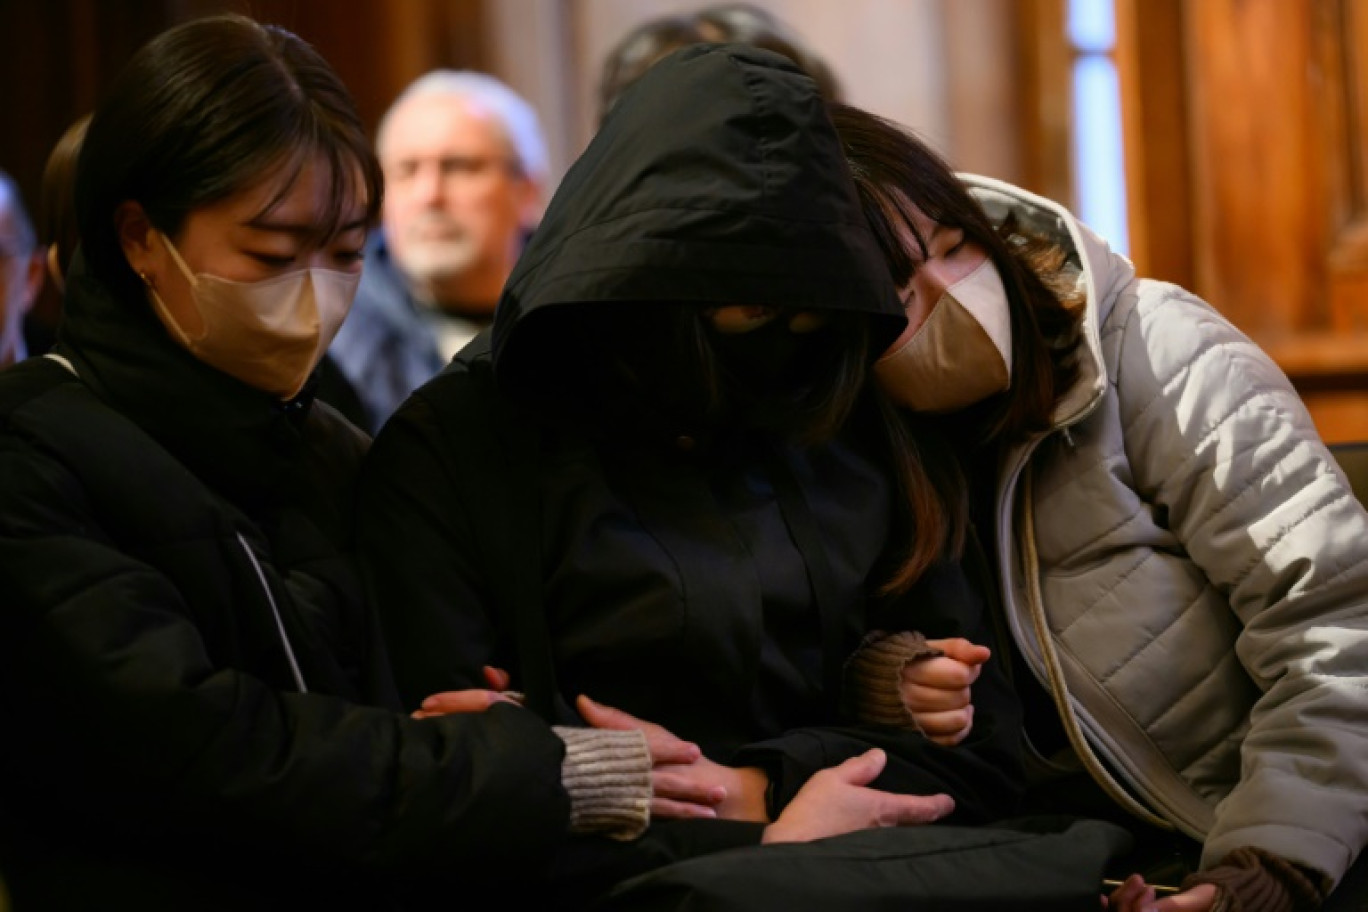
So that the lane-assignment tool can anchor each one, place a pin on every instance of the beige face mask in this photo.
(269, 334)
(962, 354)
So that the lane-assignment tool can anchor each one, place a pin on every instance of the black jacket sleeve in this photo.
(983, 773)
(428, 548)
(419, 551)
(121, 717)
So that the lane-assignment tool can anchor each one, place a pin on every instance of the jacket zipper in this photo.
(1158, 785)
(256, 565)
(280, 624)
(1058, 687)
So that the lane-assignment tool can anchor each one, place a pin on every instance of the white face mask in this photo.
(269, 334)
(962, 354)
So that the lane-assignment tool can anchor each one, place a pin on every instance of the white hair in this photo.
(517, 117)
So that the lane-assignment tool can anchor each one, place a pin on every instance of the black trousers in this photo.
(1027, 864)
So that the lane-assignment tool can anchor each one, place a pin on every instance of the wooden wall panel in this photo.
(1260, 152)
(1045, 92)
(59, 56)
(72, 48)
(378, 48)
(1258, 185)
(1154, 110)
(53, 75)
(983, 92)
(1345, 38)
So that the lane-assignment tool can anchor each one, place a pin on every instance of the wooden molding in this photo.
(1045, 100)
(1153, 75)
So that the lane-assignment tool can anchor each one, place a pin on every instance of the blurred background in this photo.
(1221, 144)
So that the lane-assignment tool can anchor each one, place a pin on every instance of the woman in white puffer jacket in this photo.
(1183, 568)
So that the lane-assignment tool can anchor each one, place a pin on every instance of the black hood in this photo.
(717, 178)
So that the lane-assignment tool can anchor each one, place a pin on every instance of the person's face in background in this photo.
(456, 200)
(21, 277)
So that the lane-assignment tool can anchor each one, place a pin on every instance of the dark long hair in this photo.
(895, 172)
(56, 202)
(205, 110)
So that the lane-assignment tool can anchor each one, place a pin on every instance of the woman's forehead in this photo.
(306, 190)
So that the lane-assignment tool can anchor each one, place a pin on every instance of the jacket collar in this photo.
(1103, 271)
(386, 295)
(237, 439)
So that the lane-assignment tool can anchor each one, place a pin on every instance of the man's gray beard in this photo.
(439, 264)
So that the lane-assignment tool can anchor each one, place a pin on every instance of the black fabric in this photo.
(335, 389)
(454, 595)
(1032, 865)
(720, 171)
(159, 753)
(552, 505)
(649, 554)
(1351, 895)
(585, 869)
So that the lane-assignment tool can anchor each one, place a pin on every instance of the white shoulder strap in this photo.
(64, 362)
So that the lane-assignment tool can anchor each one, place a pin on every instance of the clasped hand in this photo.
(686, 784)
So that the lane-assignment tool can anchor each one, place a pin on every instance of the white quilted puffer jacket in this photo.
(1183, 558)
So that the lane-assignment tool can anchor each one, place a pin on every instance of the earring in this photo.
(146, 281)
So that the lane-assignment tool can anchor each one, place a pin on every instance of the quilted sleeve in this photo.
(1225, 451)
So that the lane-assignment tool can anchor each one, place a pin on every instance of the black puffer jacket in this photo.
(524, 509)
(172, 584)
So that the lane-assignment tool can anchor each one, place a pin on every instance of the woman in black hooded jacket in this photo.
(197, 707)
(663, 479)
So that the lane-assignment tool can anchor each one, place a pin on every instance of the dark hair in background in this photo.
(205, 110)
(57, 196)
(739, 23)
(894, 171)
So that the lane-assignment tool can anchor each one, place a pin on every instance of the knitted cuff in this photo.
(1252, 880)
(608, 776)
(873, 674)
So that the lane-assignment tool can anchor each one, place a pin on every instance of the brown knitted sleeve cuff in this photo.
(1252, 880)
(608, 776)
(873, 674)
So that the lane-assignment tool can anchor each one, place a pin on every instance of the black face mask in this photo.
(768, 379)
(772, 375)
(770, 361)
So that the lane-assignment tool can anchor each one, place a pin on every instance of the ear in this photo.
(54, 269)
(134, 229)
